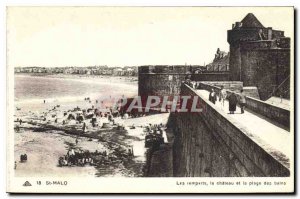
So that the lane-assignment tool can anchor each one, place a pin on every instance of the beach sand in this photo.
(45, 141)
(44, 149)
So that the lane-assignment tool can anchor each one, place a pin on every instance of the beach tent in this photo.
(71, 116)
(89, 116)
(79, 118)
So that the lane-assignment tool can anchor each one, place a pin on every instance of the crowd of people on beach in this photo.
(79, 158)
(79, 121)
(91, 117)
(154, 136)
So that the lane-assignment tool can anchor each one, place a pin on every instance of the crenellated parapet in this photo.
(166, 69)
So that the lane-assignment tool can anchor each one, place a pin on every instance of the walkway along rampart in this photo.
(274, 113)
(212, 144)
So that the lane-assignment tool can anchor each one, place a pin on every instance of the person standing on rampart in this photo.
(232, 102)
(212, 96)
(223, 95)
(242, 101)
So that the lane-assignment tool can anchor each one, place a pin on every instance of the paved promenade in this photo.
(272, 136)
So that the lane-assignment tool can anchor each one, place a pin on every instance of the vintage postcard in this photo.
(150, 99)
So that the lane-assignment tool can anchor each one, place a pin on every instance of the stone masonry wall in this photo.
(266, 69)
(209, 144)
(212, 76)
(160, 84)
(160, 80)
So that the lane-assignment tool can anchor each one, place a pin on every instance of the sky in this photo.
(127, 36)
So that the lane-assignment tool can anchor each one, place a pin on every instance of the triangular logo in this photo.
(27, 184)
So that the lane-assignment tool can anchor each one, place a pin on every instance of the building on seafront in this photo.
(260, 56)
(88, 70)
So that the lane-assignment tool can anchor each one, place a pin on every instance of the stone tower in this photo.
(260, 57)
(161, 80)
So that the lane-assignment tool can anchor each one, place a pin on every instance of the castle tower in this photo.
(259, 56)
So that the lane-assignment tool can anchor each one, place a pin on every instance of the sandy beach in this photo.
(70, 88)
(46, 133)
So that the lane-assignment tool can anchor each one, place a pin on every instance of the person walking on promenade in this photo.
(223, 95)
(212, 96)
(242, 101)
(232, 102)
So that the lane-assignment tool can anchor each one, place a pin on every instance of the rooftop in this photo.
(250, 21)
